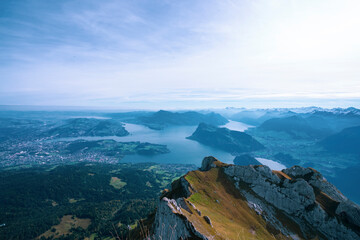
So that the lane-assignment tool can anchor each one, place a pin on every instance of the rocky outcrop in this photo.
(171, 216)
(171, 223)
(296, 203)
(208, 163)
(303, 195)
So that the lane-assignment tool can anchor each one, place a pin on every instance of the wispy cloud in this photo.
(114, 52)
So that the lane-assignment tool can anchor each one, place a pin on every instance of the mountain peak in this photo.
(222, 201)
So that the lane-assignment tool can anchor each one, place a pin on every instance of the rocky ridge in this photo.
(221, 201)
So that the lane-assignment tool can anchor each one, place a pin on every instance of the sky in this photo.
(146, 54)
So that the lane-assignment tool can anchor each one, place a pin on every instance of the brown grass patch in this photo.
(281, 175)
(230, 215)
(117, 183)
(74, 200)
(326, 202)
(63, 228)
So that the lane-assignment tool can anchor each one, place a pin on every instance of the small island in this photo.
(234, 142)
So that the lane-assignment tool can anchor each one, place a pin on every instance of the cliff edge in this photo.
(221, 201)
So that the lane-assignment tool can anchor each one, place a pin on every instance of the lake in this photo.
(271, 164)
(182, 150)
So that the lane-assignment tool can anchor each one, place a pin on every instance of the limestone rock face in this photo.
(170, 222)
(208, 163)
(304, 195)
(289, 196)
(295, 203)
(316, 180)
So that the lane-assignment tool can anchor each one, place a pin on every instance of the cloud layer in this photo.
(178, 53)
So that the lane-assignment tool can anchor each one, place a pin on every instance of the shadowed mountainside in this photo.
(228, 140)
(296, 126)
(346, 141)
(81, 127)
(245, 159)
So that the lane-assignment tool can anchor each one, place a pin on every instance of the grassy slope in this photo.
(231, 217)
(217, 198)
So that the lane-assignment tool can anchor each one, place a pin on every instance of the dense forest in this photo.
(113, 197)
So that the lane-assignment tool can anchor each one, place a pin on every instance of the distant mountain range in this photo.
(335, 119)
(256, 117)
(296, 126)
(162, 119)
(317, 124)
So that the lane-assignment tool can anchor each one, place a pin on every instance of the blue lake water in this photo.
(237, 126)
(182, 150)
(271, 164)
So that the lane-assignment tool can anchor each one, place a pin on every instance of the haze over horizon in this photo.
(182, 54)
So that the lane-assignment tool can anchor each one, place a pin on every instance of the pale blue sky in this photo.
(189, 53)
